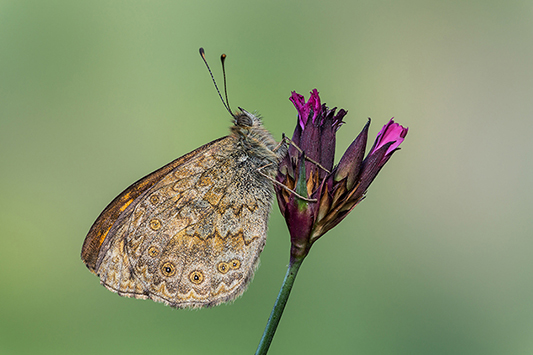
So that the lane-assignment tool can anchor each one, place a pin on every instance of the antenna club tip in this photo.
(202, 52)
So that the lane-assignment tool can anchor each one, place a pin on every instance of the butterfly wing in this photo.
(188, 235)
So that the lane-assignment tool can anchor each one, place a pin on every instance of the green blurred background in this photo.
(436, 260)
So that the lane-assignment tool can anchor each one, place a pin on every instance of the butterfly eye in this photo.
(168, 269)
(223, 267)
(235, 264)
(196, 277)
(153, 251)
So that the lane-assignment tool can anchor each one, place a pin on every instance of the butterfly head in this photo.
(250, 131)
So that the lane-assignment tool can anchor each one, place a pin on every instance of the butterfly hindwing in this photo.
(194, 237)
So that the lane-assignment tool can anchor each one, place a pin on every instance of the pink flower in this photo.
(311, 174)
(391, 132)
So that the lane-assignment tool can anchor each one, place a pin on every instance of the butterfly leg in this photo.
(283, 186)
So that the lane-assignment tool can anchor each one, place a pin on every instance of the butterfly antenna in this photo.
(223, 60)
(202, 53)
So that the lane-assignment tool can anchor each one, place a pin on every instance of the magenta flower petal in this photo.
(391, 132)
(303, 111)
(314, 102)
(305, 108)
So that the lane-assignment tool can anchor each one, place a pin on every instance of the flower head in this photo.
(331, 192)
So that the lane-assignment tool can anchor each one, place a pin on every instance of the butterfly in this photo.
(190, 233)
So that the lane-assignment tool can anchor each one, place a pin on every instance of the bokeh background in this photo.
(436, 260)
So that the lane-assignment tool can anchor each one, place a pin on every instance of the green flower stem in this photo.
(279, 306)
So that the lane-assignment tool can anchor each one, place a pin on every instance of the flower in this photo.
(329, 193)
